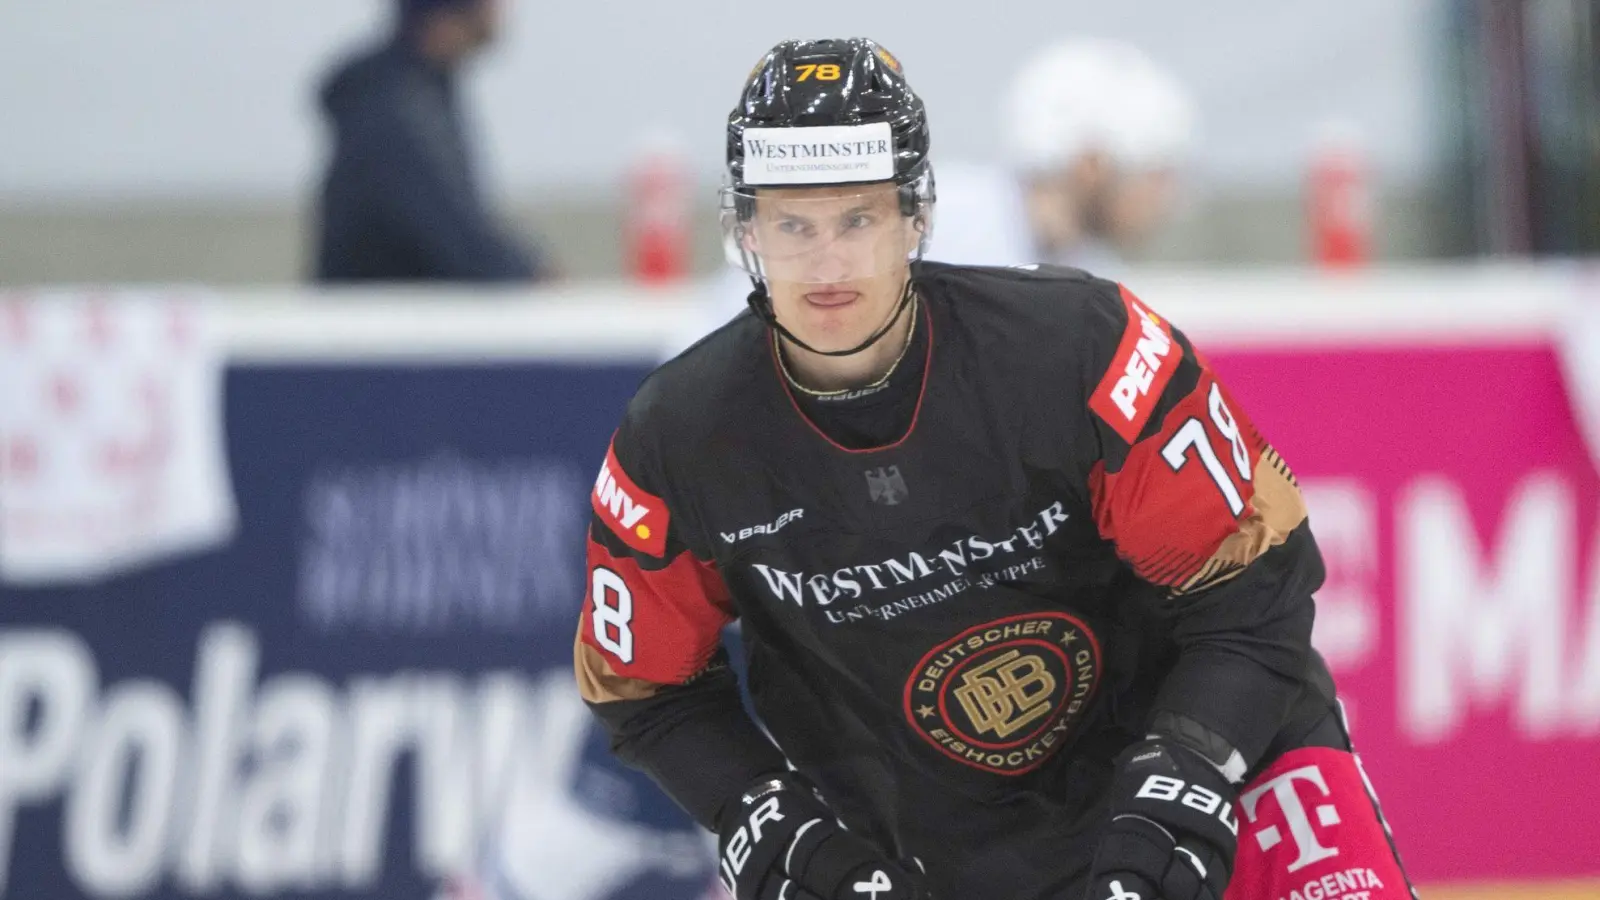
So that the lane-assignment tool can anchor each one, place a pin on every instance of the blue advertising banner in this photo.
(368, 693)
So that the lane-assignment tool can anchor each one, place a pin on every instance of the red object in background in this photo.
(1339, 201)
(658, 214)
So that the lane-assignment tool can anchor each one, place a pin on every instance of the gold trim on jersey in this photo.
(1279, 509)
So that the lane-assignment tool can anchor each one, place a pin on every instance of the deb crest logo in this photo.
(1002, 696)
(639, 518)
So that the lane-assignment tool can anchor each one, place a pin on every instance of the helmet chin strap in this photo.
(761, 304)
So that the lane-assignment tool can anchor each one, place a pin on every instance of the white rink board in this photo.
(617, 321)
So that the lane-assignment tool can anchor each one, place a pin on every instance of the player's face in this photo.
(835, 259)
(481, 20)
(1139, 204)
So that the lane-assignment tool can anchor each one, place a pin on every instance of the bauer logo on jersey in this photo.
(639, 518)
(1139, 372)
(1003, 697)
(824, 154)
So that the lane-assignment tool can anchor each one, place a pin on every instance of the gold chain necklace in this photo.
(778, 348)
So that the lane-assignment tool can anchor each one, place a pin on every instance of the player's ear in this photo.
(918, 225)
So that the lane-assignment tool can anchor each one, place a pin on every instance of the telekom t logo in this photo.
(1295, 815)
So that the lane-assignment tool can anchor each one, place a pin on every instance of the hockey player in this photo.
(1025, 597)
(1097, 135)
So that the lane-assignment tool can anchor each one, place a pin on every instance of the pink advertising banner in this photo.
(1455, 502)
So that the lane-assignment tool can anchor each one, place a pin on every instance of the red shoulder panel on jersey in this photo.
(638, 517)
(659, 625)
(1139, 371)
(1182, 491)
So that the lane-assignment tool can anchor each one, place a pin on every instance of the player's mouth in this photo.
(832, 299)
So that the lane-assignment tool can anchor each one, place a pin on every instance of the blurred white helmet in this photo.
(1088, 94)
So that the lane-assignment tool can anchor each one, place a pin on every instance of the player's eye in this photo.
(859, 220)
(795, 227)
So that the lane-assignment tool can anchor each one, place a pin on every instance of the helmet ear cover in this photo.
(909, 204)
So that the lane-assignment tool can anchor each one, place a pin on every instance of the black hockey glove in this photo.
(778, 840)
(1171, 832)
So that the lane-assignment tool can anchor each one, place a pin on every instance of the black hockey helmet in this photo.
(831, 83)
(824, 113)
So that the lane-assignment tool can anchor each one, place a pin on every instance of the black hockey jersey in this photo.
(955, 632)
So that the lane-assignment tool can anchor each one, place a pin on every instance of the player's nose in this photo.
(835, 261)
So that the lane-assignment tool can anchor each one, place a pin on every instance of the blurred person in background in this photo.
(400, 200)
(1097, 135)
